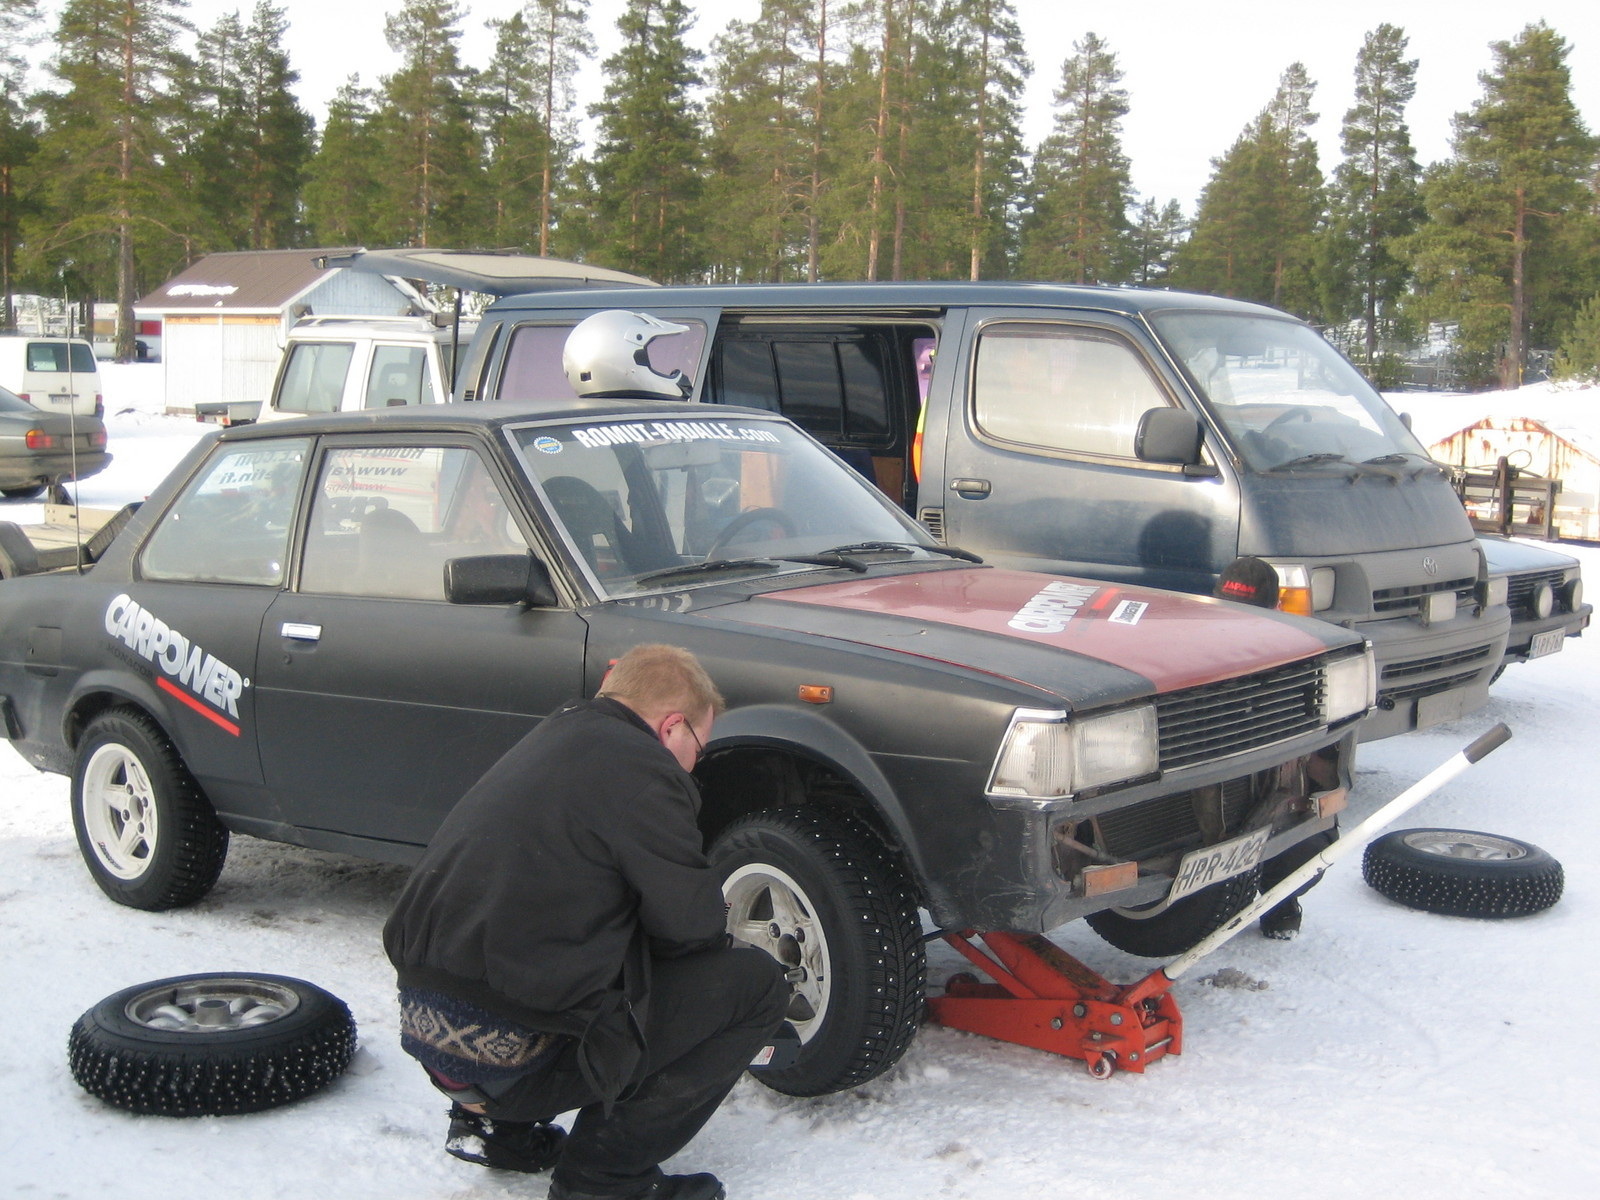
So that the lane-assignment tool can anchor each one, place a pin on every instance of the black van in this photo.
(1140, 436)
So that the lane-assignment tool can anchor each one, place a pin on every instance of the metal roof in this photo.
(241, 280)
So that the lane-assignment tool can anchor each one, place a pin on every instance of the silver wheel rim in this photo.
(768, 909)
(1457, 843)
(119, 811)
(212, 1005)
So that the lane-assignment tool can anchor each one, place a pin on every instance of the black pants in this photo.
(709, 1013)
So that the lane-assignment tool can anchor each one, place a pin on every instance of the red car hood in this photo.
(1175, 641)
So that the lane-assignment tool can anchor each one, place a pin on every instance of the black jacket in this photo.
(549, 886)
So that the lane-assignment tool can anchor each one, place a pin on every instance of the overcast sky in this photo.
(1196, 72)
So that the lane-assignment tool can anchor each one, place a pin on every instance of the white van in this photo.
(336, 364)
(55, 374)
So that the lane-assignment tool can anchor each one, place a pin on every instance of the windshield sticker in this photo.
(200, 676)
(1051, 609)
(1128, 612)
(547, 445)
(598, 437)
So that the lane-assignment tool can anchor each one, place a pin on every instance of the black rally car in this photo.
(323, 631)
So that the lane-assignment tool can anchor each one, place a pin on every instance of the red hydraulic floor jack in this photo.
(1043, 997)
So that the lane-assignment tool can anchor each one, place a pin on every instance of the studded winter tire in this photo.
(1169, 931)
(146, 832)
(211, 1045)
(1462, 873)
(821, 894)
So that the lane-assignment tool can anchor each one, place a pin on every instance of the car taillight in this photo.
(99, 406)
(38, 439)
(97, 438)
(25, 396)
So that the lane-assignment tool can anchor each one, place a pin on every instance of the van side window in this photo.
(1061, 388)
(399, 376)
(833, 388)
(532, 367)
(313, 377)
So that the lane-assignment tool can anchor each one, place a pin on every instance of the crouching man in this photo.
(561, 946)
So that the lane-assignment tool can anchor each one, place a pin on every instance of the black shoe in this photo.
(1283, 921)
(509, 1145)
(703, 1186)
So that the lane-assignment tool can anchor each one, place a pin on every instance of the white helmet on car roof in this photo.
(607, 354)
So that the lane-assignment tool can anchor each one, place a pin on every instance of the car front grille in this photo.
(1200, 724)
(1170, 822)
(1425, 676)
(1407, 601)
(1520, 588)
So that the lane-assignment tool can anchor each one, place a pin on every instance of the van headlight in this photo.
(1049, 756)
(1349, 687)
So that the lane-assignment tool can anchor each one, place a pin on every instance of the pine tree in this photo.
(1078, 228)
(1375, 197)
(1255, 233)
(998, 67)
(1579, 356)
(254, 140)
(432, 161)
(1158, 232)
(110, 196)
(1504, 208)
(649, 163)
(19, 142)
(343, 184)
(759, 148)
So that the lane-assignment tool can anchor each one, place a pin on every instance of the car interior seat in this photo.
(591, 521)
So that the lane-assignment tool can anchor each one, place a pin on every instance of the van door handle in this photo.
(970, 489)
(300, 632)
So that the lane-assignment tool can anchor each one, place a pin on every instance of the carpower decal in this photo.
(1052, 608)
(199, 680)
(598, 437)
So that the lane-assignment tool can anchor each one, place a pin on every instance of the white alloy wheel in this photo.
(119, 811)
(769, 910)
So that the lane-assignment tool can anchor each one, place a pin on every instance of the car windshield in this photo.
(1287, 399)
(653, 503)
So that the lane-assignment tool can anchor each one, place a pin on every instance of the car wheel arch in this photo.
(767, 756)
(98, 691)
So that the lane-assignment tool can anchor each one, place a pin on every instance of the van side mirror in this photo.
(1405, 419)
(499, 579)
(1168, 435)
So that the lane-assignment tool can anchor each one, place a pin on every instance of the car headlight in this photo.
(1494, 590)
(1304, 590)
(1349, 687)
(1049, 756)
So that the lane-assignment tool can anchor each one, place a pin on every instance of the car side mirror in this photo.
(1168, 435)
(499, 579)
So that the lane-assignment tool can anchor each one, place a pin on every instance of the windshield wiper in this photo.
(868, 547)
(710, 566)
(1310, 460)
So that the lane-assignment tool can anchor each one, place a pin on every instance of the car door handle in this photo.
(971, 489)
(300, 631)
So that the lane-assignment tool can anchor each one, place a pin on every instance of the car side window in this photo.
(385, 519)
(835, 388)
(313, 377)
(1061, 388)
(231, 524)
(399, 376)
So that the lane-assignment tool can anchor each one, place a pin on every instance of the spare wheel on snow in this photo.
(1462, 872)
(211, 1045)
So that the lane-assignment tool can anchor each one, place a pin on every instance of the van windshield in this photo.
(671, 502)
(1287, 399)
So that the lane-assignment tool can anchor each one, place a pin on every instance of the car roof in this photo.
(482, 415)
(907, 296)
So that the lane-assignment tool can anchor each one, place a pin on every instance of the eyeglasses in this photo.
(699, 746)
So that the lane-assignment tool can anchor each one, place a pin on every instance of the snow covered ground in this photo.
(1385, 1052)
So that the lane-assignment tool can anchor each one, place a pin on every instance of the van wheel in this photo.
(821, 895)
(1462, 873)
(148, 836)
(1181, 925)
(22, 493)
(211, 1045)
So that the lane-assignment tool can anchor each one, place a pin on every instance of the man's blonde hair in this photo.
(654, 680)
